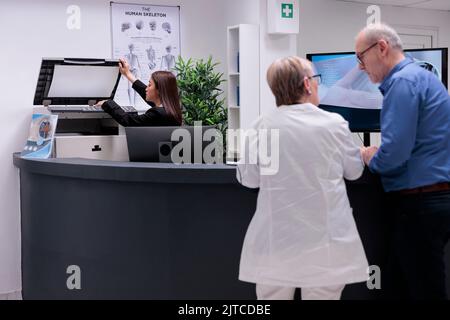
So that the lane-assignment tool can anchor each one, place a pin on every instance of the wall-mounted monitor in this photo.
(347, 90)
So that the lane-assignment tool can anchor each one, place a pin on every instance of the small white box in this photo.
(283, 16)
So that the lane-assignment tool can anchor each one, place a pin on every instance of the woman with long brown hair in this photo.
(161, 94)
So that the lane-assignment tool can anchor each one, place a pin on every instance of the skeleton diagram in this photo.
(135, 67)
(166, 27)
(152, 25)
(151, 57)
(168, 61)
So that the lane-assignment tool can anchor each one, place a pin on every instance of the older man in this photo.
(413, 160)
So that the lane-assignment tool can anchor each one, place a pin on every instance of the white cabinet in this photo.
(243, 79)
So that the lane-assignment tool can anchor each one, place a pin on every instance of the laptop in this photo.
(154, 144)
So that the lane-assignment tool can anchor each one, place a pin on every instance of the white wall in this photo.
(272, 47)
(328, 25)
(32, 29)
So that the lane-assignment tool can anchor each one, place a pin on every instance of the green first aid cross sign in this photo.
(283, 16)
(287, 10)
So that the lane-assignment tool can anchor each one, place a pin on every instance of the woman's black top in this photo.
(154, 117)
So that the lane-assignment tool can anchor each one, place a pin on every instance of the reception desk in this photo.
(154, 230)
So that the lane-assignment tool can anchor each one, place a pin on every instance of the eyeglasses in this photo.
(318, 78)
(359, 56)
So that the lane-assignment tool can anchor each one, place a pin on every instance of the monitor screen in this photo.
(348, 91)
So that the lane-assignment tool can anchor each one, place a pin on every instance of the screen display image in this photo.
(347, 90)
(343, 84)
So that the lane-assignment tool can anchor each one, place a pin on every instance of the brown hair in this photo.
(166, 84)
(285, 77)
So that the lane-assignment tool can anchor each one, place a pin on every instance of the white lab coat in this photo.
(303, 233)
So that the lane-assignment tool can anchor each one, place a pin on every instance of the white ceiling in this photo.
(423, 4)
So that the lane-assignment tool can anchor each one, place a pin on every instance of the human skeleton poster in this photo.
(148, 37)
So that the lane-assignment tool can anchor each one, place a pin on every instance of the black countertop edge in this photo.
(129, 171)
(144, 171)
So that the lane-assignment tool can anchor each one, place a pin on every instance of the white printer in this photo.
(70, 88)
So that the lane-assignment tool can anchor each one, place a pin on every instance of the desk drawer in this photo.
(92, 147)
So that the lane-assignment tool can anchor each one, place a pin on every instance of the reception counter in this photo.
(153, 230)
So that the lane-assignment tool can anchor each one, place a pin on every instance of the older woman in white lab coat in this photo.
(303, 234)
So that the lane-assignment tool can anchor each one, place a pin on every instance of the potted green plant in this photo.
(200, 93)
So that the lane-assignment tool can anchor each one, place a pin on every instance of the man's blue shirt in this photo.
(415, 129)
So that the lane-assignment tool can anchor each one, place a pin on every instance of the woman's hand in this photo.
(124, 68)
(100, 103)
(368, 153)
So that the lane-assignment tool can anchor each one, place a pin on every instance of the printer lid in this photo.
(76, 81)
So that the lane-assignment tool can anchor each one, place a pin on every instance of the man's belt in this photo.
(442, 186)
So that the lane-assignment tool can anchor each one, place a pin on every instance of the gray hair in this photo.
(379, 31)
(285, 78)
